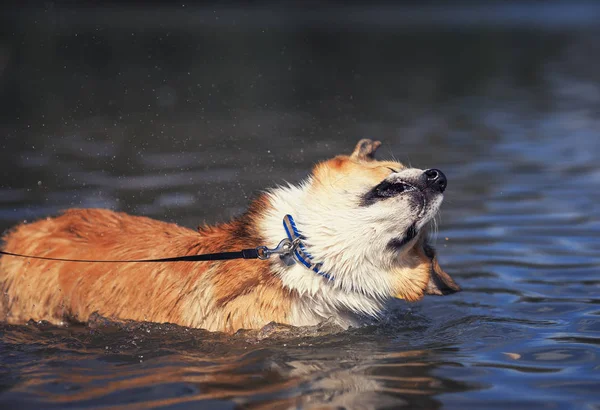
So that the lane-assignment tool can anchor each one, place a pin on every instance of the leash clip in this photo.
(283, 249)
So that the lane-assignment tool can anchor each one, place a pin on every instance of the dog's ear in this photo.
(365, 150)
(440, 283)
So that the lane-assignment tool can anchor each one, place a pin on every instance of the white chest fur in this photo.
(358, 288)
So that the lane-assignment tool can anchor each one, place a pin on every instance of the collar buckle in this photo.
(285, 247)
(298, 253)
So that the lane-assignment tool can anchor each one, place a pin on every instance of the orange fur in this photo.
(211, 295)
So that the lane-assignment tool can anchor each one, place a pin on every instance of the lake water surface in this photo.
(184, 115)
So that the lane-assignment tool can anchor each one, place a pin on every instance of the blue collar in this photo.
(300, 254)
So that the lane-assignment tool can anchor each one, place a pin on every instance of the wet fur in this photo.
(351, 243)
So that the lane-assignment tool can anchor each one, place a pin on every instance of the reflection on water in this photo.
(116, 363)
(187, 122)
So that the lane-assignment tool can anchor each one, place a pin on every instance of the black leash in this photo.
(261, 252)
(221, 256)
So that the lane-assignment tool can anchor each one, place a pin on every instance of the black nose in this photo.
(436, 179)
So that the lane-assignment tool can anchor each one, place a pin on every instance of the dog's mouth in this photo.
(424, 210)
(397, 244)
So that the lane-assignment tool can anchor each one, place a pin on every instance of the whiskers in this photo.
(434, 226)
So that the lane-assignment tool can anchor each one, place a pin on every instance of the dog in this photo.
(363, 225)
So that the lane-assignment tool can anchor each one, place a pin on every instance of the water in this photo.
(183, 115)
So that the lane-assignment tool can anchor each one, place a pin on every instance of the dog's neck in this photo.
(337, 241)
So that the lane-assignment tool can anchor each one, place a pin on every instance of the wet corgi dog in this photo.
(364, 226)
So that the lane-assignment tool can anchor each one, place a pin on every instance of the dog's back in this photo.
(224, 295)
(52, 290)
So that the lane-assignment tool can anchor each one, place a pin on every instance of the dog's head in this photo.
(367, 221)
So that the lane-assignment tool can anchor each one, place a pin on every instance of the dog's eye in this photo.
(392, 169)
